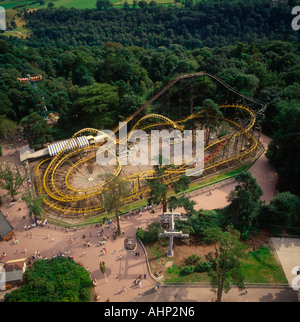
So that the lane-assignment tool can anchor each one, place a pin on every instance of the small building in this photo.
(11, 273)
(6, 230)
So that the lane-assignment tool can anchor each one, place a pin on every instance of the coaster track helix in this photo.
(69, 190)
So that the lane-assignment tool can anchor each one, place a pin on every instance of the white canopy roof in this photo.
(75, 143)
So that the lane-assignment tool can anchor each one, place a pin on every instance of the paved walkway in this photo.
(204, 294)
(288, 251)
(122, 272)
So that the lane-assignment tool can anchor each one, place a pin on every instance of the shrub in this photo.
(187, 270)
(245, 235)
(192, 259)
(150, 235)
(203, 267)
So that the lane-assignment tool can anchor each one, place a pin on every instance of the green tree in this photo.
(34, 204)
(6, 106)
(181, 184)
(283, 209)
(126, 6)
(82, 76)
(204, 219)
(30, 100)
(210, 119)
(142, 4)
(151, 234)
(182, 201)
(60, 102)
(245, 83)
(244, 201)
(284, 149)
(93, 106)
(159, 186)
(13, 24)
(9, 130)
(189, 3)
(114, 193)
(58, 279)
(103, 4)
(225, 260)
(36, 130)
(10, 180)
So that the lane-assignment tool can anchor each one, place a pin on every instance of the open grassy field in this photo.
(15, 7)
(79, 4)
(19, 31)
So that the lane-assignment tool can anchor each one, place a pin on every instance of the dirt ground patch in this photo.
(159, 262)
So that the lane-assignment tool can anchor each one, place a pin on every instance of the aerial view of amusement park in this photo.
(149, 152)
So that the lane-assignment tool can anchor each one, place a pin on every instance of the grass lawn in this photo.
(173, 276)
(79, 4)
(218, 177)
(20, 31)
(7, 4)
(260, 266)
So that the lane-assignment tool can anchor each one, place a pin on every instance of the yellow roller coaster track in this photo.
(62, 199)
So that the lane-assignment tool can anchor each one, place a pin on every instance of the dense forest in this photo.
(150, 26)
(100, 65)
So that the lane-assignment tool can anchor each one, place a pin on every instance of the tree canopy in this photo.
(225, 260)
(115, 191)
(10, 180)
(244, 201)
(193, 25)
(59, 279)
